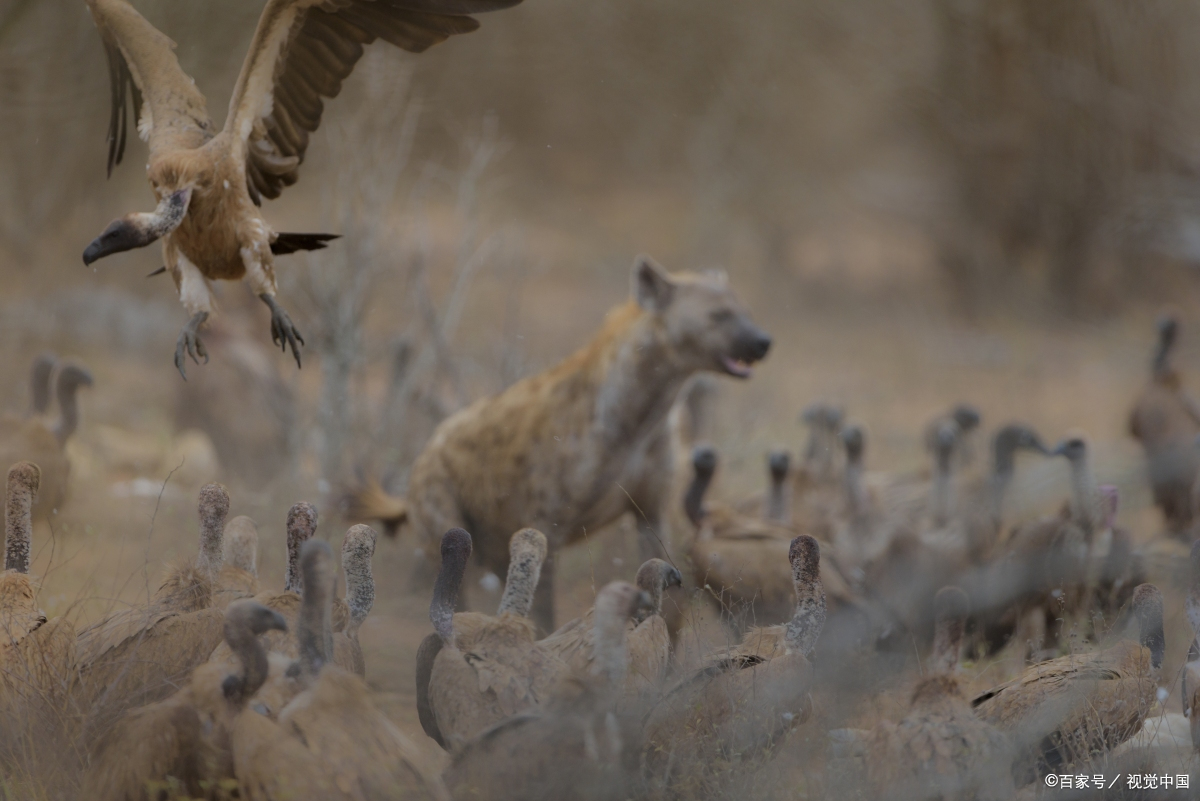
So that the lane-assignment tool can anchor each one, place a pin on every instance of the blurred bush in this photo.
(1063, 130)
(1022, 139)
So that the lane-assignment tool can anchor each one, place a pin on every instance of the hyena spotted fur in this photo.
(571, 449)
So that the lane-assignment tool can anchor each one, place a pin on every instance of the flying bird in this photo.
(209, 183)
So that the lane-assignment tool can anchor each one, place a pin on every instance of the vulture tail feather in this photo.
(290, 243)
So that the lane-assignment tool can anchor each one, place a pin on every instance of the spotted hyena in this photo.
(570, 449)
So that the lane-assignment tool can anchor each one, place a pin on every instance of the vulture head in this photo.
(140, 228)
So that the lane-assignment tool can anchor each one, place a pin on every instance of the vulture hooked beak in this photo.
(139, 229)
(674, 578)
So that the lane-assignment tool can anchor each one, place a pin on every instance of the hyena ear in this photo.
(652, 286)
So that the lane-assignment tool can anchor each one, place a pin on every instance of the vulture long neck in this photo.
(166, 217)
(23, 481)
(812, 448)
(610, 652)
(357, 550)
(943, 485)
(39, 383)
(808, 620)
(241, 544)
(818, 450)
(1007, 441)
(213, 509)
(526, 554)
(251, 653)
(946, 643)
(1085, 496)
(301, 525)
(779, 508)
(67, 391)
(855, 485)
(314, 626)
(456, 550)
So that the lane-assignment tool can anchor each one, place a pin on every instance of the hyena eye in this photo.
(720, 315)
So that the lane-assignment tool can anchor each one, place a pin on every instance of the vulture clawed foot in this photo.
(189, 343)
(283, 332)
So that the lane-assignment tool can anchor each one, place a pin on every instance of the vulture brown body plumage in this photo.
(335, 718)
(358, 548)
(196, 584)
(579, 743)
(742, 562)
(486, 668)
(1072, 709)
(1052, 567)
(940, 749)
(139, 657)
(648, 642)
(142, 654)
(270, 763)
(301, 525)
(185, 740)
(744, 699)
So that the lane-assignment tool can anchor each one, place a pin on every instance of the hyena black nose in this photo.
(759, 345)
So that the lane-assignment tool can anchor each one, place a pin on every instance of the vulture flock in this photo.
(868, 613)
(891, 636)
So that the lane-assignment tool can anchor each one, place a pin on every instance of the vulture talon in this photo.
(189, 343)
(283, 332)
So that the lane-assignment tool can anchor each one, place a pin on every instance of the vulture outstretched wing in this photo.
(303, 50)
(145, 74)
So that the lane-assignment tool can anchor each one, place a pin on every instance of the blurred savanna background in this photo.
(986, 201)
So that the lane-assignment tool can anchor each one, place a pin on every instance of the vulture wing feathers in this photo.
(302, 51)
(144, 73)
